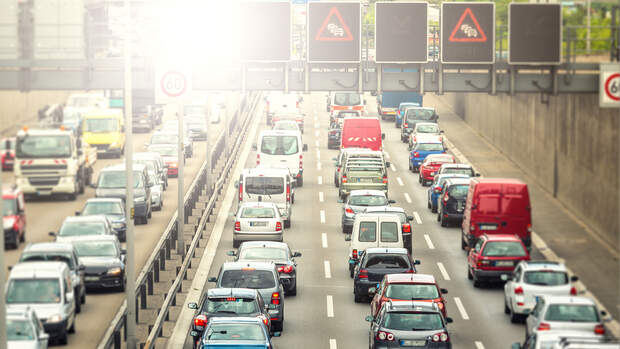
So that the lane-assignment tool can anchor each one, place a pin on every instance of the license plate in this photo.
(258, 224)
(504, 263)
(488, 227)
(413, 343)
(91, 278)
(365, 180)
(133, 212)
(44, 192)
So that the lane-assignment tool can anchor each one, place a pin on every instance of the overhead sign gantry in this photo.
(468, 32)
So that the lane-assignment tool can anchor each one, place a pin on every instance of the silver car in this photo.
(422, 130)
(359, 201)
(157, 191)
(569, 313)
(257, 221)
(564, 340)
(24, 330)
(531, 279)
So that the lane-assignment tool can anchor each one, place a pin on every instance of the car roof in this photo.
(362, 192)
(500, 180)
(452, 175)
(10, 191)
(426, 124)
(543, 265)
(118, 200)
(371, 215)
(85, 219)
(18, 313)
(258, 204)
(38, 268)
(457, 181)
(147, 155)
(577, 300)
(253, 244)
(414, 306)
(391, 250)
(440, 156)
(265, 171)
(457, 165)
(235, 319)
(48, 247)
(411, 278)
(231, 292)
(105, 237)
(121, 167)
(558, 334)
(280, 133)
(248, 264)
(501, 237)
(395, 209)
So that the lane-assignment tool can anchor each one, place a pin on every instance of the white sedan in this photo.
(257, 221)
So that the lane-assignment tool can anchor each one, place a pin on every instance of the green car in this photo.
(359, 176)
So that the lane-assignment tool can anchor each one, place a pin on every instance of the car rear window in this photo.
(411, 291)
(260, 253)
(419, 114)
(381, 261)
(368, 232)
(427, 129)
(389, 232)
(247, 278)
(545, 278)
(264, 185)
(9, 207)
(279, 145)
(235, 332)
(82, 228)
(48, 256)
(456, 170)
(19, 330)
(258, 212)
(102, 207)
(429, 147)
(348, 99)
(503, 249)
(232, 305)
(458, 191)
(367, 200)
(572, 313)
(413, 321)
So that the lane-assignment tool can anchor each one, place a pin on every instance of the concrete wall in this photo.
(18, 108)
(569, 145)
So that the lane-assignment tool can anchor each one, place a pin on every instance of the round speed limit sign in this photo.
(612, 87)
(173, 83)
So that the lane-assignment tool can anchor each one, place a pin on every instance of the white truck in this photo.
(52, 162)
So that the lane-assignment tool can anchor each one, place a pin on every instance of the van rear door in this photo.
(515, 210)
(281, 150)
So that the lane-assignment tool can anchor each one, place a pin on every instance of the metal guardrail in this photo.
(156, 262)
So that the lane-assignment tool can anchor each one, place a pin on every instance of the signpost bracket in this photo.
(493, 74)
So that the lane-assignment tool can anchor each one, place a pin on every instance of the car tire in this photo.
(336, 182)
(72, 328)
(420, 178)
(351, 271)
(121, 288)
(463, 244)
(150, 214)
(506, 309)
(235, 243)
(78, 303)
(287, 223)
(410, 167)
(438, 216)
(23, 237)
(514, 318)
(477, 283)
(62, 339)
(293, 291)
(357, 298)
(300, 181)
(469, 274)
(83, 297)
(278, 326)
(443, 221)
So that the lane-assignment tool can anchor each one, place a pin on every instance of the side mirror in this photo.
(296, 254)
(369, 318)
(449, 320)
(383, 136)
(477, 174)
(603, 313)
(440, 131)
(69, 297)
(392, 201)
(347, 237)
(236, 184)
(504, 277)
(340, 201)
(231, 253)
(416, 262)
(192, 305)
(77, 213)
(194, 333)
(388, 164)
(372, 291)
(212, 279)
(123, 251)
(44, 336)
(409, 218)
(574, 278)
(82, 267)
(254, 147)
(305, 148)
(51, 233)
(445, 149)
(443, 291)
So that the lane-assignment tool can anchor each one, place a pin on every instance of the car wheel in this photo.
(438, 216)
(293, 291)
(278, 326)
(300, 181)
(410, 167)
(420, 179)
(149, 215)
(357, 298)
(62, 339)
(351, 271)
(428, 204)
(506, 309)
(477, 283)
(463, 244)
(23, 237)
(443, 221)
(336, 182)
(78, 303)
(287, 223)
(514, 318)
(121, 288)
(72, 328)
(235, 243)
(469, 275)
(83, 298)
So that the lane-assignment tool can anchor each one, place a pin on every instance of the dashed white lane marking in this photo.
(321, 196)
(316, 142)
(429, 242)
(461, 308)
(316, 133)
(417, 217)
(479, 345)
(408, 198)
(400, 181)
(323, 216)
(393, 167)
(320, 180)
(443, 271)
(332, 344)
(318, 154)
(324, 240)
(330, 306)
(318, 165)
(328, 270)
(387, 155)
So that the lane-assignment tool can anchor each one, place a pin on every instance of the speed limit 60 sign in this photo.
(609, 85)
(172, 84)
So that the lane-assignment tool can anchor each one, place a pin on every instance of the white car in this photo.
(24, 330)
(286, 125)
(424, 130)
(157, 189)
(531, 279)
(564, 339)
(257, 221)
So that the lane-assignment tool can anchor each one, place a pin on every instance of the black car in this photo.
(406, 324)
(333, 136)
(270, 251)
(142, 119)
(377, 262)
(228, 302)
(113, 208)
(451, 201)
(103, 259)
(414, 115)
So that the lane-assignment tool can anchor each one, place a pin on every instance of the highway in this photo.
(44, 216)
(323, 314)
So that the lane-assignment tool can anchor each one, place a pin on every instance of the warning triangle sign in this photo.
(334, 28)
(468, 29)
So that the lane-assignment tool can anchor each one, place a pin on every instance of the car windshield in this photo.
(458, 191)
(419, 114)
(3, 144)
(102, 207)
(264, 185)
(101, 125)
(93, 248)
(456, 170)
(33, 291)
(386, 261)
(19, 330)
(82, 228)
(411, 291)
(367, 200)
(169, 151)
(572, 313)
(258, 212)
(429, 147)
(48, 256)
(116, 179)
(503, 249)
(31, 147)
(545, 277)
(279, 145)
(286, 126)
(427, 129)
(232, 305)
(164, 138)
(235, 332)
(150, 164)
(348, 99)
(9, 207)
(259, 253)
(413, 321)
(248, 278)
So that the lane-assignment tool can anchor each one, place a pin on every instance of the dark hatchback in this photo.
(451, 203)
(333, 136)
(103, 259)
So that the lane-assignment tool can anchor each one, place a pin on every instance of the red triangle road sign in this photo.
(334, 30)
(463, 32)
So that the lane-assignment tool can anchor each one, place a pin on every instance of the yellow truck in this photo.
(104, 129)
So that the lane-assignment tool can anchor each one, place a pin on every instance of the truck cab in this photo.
(104, 129)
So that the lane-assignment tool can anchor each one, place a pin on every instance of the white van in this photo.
(374, 230)
(46, 288)
(278, 148)
(268, 185)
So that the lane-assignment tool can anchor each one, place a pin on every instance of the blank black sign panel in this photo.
(265, 30)
(467, 32)
(334, 32)
(535, 33)
(401, 32)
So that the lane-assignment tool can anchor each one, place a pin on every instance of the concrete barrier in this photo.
(19, 108)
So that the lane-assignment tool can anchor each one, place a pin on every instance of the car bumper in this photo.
(289, 282)
(173, 171)
(103, 281)
(490, 275)
(361, 287)
(523, 309)
(9, 236)
(416, 162)
(156, 201)
(276, 314)
(257, 236)
(429, 345)
(452, 216)
(347, 223)
(47, 190)
(55, 329)
(140, 209)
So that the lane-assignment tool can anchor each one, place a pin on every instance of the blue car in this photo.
(433, 192)
(421, 150)
(398, 119)
(236, 332)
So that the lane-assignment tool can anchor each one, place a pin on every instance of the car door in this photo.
(532, 320)
(69, 307)
(472, 258)
(509, 286)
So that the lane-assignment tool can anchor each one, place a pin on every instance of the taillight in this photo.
(382, 336)
(363, 274)
(287, 269)
(288, 193)
(406, 125)
(446, 197)
(338, 169)
(472, 227)
(237, 226)
(240, 191)
(416, 154)
(354, 254)
(385, 180)
(344, 179)
(573, 291)
(257, 159)
(544, 326)
(200, 321)
(349, 210)
(483, 263)
(410, 271)
(278, 226)
(519, 290)
(440, 305)
(265, 320)
(275, 298)
(406, 228)
(599, 329)
(529, 227)
(301, 161)
(441, 337)
(437, 189)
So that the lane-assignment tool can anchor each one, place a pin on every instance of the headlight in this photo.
(118, 225)
(114, 271)
(54, 318)
(66, 179)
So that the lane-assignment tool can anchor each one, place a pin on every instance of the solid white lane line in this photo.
(321, 196)
(328, 270)
(417, 217)
(400, 181)
(443, 271)
(330, 306)
(323, 216)
(408, 198)
(461, 308)
(332, 344)
(316, 133)
(324, 240)
(316, 142)
(479, 345)
(320, 180)
(429, 242)
(318, 166)
(393, 167)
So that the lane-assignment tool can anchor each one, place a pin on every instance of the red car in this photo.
(7, 153)
(431, 164)
(408, 287)
(493, 256)
(13, 217)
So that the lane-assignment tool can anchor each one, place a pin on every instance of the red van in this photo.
(496, 206)
(361, 132)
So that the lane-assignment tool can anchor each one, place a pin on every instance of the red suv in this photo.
(408, 287)
(431, 164)
(7, 153)
(14, 216)
(493, 256)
